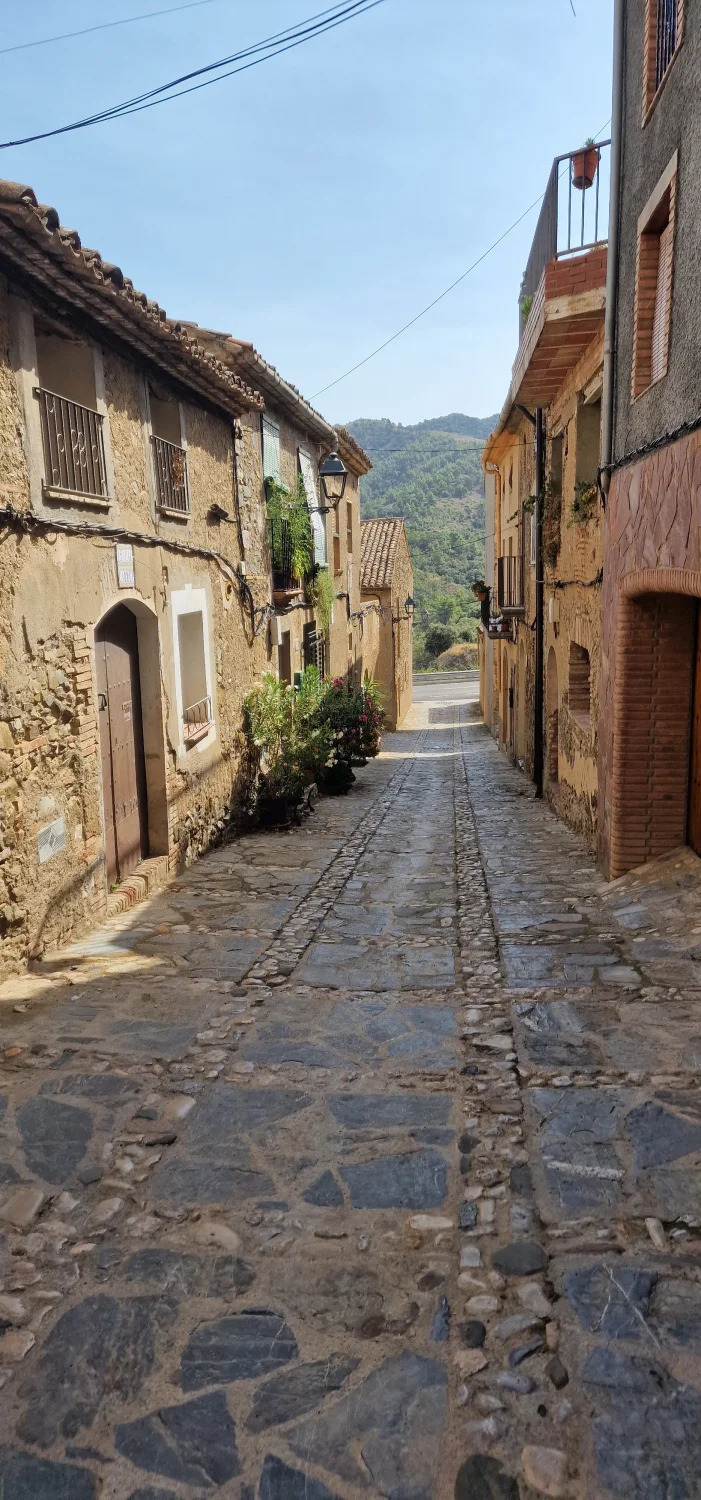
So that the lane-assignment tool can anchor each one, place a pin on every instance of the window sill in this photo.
(75, 497)
(173, 515)
(652, 106)
(650, 387)
(198, 734)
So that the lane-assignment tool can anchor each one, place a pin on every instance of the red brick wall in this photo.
(582, 273)
(652, 547)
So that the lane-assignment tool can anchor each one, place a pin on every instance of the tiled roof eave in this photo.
(38, 254)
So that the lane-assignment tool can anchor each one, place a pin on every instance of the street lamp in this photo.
(333, 474)
(409, 606)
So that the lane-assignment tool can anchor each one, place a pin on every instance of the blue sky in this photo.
(316, 203)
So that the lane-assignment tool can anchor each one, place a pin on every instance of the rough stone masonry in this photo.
(362, 1163)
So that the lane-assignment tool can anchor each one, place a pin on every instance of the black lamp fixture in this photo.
(409, 607)
(333, 474)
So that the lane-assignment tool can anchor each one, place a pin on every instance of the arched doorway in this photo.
(121, 743)
(552, 711)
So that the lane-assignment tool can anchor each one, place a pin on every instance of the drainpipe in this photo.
(607, 414)
(539, 597)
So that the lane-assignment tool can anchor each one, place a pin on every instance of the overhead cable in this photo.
(273, 46)
(66, 36)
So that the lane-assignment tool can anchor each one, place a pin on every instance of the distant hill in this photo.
(431, 474)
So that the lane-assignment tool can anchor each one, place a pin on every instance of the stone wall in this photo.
(54, 589)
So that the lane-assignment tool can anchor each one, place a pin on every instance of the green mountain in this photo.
(431, 475)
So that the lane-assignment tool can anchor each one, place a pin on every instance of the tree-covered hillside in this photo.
(431, 474)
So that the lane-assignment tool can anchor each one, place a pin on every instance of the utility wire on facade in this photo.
(273, 46)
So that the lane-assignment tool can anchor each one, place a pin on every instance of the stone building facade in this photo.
(136, 603)
(557, 371)
(387, 582)
(287, 440)
(650, 717)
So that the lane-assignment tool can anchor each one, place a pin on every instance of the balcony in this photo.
(285, 583)
(510, 585)
(170, 463)
(564, 285)
(74, 449)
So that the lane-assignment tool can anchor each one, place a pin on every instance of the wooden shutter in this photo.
(271, 450)
(660, 324)
(318, 522)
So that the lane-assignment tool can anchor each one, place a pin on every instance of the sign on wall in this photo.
(125, 565)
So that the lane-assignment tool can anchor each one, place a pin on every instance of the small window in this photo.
(337, 566)
(196, 701)
(580, 685)
(271, 450)
(314, 649)
(663, 30)
(349, 528)
(284, 658)
(653, 291)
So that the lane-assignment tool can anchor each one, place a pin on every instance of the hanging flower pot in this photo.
(585, 165)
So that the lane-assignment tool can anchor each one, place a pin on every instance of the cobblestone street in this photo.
(363, 1162)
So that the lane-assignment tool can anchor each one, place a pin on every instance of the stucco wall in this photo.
(675, 122)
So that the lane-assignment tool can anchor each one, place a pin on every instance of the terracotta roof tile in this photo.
(79, 281)
(379, 540)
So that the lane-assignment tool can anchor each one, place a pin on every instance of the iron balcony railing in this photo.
(284, 579)
(315, 650)
(574, 214)
(172, 489)
(74, 449)
(510, 585)
(667, 33)
(197, 717)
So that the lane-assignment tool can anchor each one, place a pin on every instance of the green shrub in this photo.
(321, 594)
(290, 508)
(437, 639)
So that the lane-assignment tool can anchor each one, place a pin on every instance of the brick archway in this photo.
(652, 714)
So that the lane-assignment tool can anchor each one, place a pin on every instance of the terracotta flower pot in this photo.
(585, 165)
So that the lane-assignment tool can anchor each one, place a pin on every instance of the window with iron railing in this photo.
(170, 464)
(197, 718)
(74, 448)
(315, 649)
(510, 584)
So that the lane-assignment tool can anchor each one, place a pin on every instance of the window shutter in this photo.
(318, 522)
(271, 451)
(660, 324)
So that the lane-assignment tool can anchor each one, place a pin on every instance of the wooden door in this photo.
(121, 743)
(694, 823)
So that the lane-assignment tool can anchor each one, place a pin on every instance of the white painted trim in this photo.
(189, 601)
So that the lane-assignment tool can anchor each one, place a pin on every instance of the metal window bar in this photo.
(74, 449)
(565, 226)
(315, 651)
(510, 584)
(170, 462)
(196, 718)
(667, 34)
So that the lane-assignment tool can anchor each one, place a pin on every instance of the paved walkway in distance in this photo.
(362, 1162)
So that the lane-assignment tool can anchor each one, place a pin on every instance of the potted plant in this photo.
(479, 589)
(585, 165)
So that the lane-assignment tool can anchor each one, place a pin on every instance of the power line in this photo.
(434, 303)
(64, 36)
(282, 41)
(440, 296)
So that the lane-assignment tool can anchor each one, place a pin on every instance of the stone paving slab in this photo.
(363, 1161)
